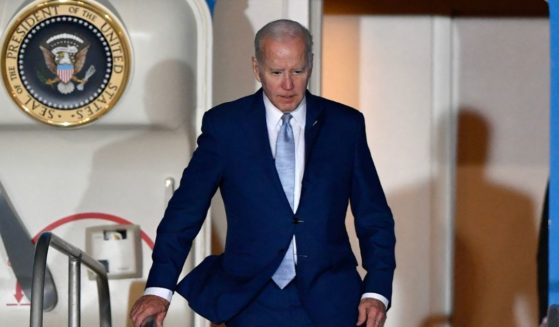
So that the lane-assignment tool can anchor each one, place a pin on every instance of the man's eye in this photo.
(276, 73)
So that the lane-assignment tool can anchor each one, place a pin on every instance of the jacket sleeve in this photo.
(187, 209)
(374, 224)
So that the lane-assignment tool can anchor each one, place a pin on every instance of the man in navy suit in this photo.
(287, 164)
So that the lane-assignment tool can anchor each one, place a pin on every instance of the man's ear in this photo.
(255, 69)
(311, 64)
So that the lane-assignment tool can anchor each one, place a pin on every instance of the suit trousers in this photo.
(273, 307)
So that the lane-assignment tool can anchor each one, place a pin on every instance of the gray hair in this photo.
(280, 29)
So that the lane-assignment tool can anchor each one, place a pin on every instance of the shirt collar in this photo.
(273, 114)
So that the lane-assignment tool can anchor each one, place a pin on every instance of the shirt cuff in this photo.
(376, 296)
(159, 291)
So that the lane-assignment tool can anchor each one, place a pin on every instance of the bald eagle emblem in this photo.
(65, 55)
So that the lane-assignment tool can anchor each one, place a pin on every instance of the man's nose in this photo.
(287, 82)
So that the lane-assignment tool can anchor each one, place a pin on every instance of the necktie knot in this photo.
(285, 135)
(286, 118)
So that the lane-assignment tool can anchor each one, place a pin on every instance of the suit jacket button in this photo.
(297, 220)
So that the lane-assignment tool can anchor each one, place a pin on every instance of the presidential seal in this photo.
(65, 62)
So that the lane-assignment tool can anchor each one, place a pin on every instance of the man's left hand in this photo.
(372, 313)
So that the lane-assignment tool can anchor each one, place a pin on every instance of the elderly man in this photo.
(287, 164)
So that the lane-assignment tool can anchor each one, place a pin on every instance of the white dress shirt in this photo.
(273, 123)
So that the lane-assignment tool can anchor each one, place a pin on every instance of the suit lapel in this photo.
(257, 133)
(256, 128)
(312, 125)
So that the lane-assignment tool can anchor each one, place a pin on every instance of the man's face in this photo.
(284, 72)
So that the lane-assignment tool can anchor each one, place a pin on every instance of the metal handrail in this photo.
(76, 257)
(553, 316)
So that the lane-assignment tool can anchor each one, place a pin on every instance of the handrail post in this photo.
(104, 301)
(76, 258)
(553, 316)
(38, 282)
(74, 281)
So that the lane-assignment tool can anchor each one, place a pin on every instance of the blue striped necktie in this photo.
(285, 165)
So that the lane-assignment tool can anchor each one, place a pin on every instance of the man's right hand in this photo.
(147, 306)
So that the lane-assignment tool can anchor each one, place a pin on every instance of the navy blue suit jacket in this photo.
(234, 154)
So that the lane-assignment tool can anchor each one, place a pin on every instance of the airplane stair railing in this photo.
(553, 316)
(76, 258)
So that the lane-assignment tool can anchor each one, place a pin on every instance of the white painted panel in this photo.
(392, 59)
(395, 95)
(503, 71)
(400, 74)
(443, 169)
(502, 94)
